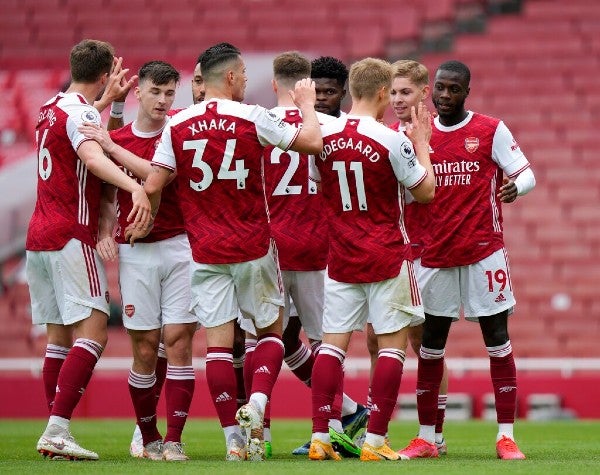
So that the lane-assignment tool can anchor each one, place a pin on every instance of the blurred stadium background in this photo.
(534, 64)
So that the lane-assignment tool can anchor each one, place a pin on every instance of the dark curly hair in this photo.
(329, 67)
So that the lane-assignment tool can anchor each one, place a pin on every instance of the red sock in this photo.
(429, 377)
(300, 360)
(238, 368)
(441, 413)
(74, 376)
(327, 376)
(504, 380)
(248, 366)
(267, 360)
(384, 389)
(222, 384)
(267, 416)
(179, 390)
(161, 370)
(142, 388)
(55, 357)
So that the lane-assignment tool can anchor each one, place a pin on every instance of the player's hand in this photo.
(107, 248)
(99, 134)
(132, 233)
(304, 94)
(508, 191)
(118, 86)
(419, 130)
(141, 212)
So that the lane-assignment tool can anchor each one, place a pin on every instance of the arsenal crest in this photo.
(471, 144)
(129, 310)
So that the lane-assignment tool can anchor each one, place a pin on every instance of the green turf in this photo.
(552, 447)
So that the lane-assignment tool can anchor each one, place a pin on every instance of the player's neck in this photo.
(89, 91)
(363, 108)
(147, 124)
(284, 100)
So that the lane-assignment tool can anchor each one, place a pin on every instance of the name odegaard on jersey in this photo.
(344, 143)
(225, 125)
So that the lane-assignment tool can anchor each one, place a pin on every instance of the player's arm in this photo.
(93, 157)
(309, 139)
(509, 157)
(107, 247)
(156, 181)
(138, 166)
(419, 133)
(115, 92)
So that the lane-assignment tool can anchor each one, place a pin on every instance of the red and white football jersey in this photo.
(298, 223)
(364, 168)
(68, 196)
(169, 220)
(416, 218)
(469, 161)
(216, 147)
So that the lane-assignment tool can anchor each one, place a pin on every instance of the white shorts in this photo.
(155, 283)
(65, 285)
(221, 291)
(303, 293)
(482, 289)
(389, 305)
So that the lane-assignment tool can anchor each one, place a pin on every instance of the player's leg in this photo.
(139, 281)
(487, 283)
(440, 292)
(261, 298)
(504, 379)
(79, 292)
(415, 337)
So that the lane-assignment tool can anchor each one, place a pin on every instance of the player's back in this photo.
(67, 204)
(297, 218)
(364, 198)
(218, 147)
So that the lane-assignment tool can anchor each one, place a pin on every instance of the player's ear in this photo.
(425, 92)
(274, 85)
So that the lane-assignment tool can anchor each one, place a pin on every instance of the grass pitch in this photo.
(550, 447)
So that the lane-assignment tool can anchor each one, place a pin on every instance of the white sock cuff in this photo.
(431, 354)
(162, 353)
(332, 350)
(298, 358)
(55, 351)
(499, 351)
(141, 381)
(180, 372)
(392, 353)
(92, 346)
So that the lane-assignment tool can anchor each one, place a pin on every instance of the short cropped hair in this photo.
(215, 57)
(159, 72)
(90, 59)
(330, 68)
(457, 67)
(414, 71)
(368, 76)
(290, 67)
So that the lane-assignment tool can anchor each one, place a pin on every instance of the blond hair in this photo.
(414, 71)
(368, 76)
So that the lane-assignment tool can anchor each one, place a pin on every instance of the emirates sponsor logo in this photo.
(500, 298)
(471, 144)
(129, 310)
